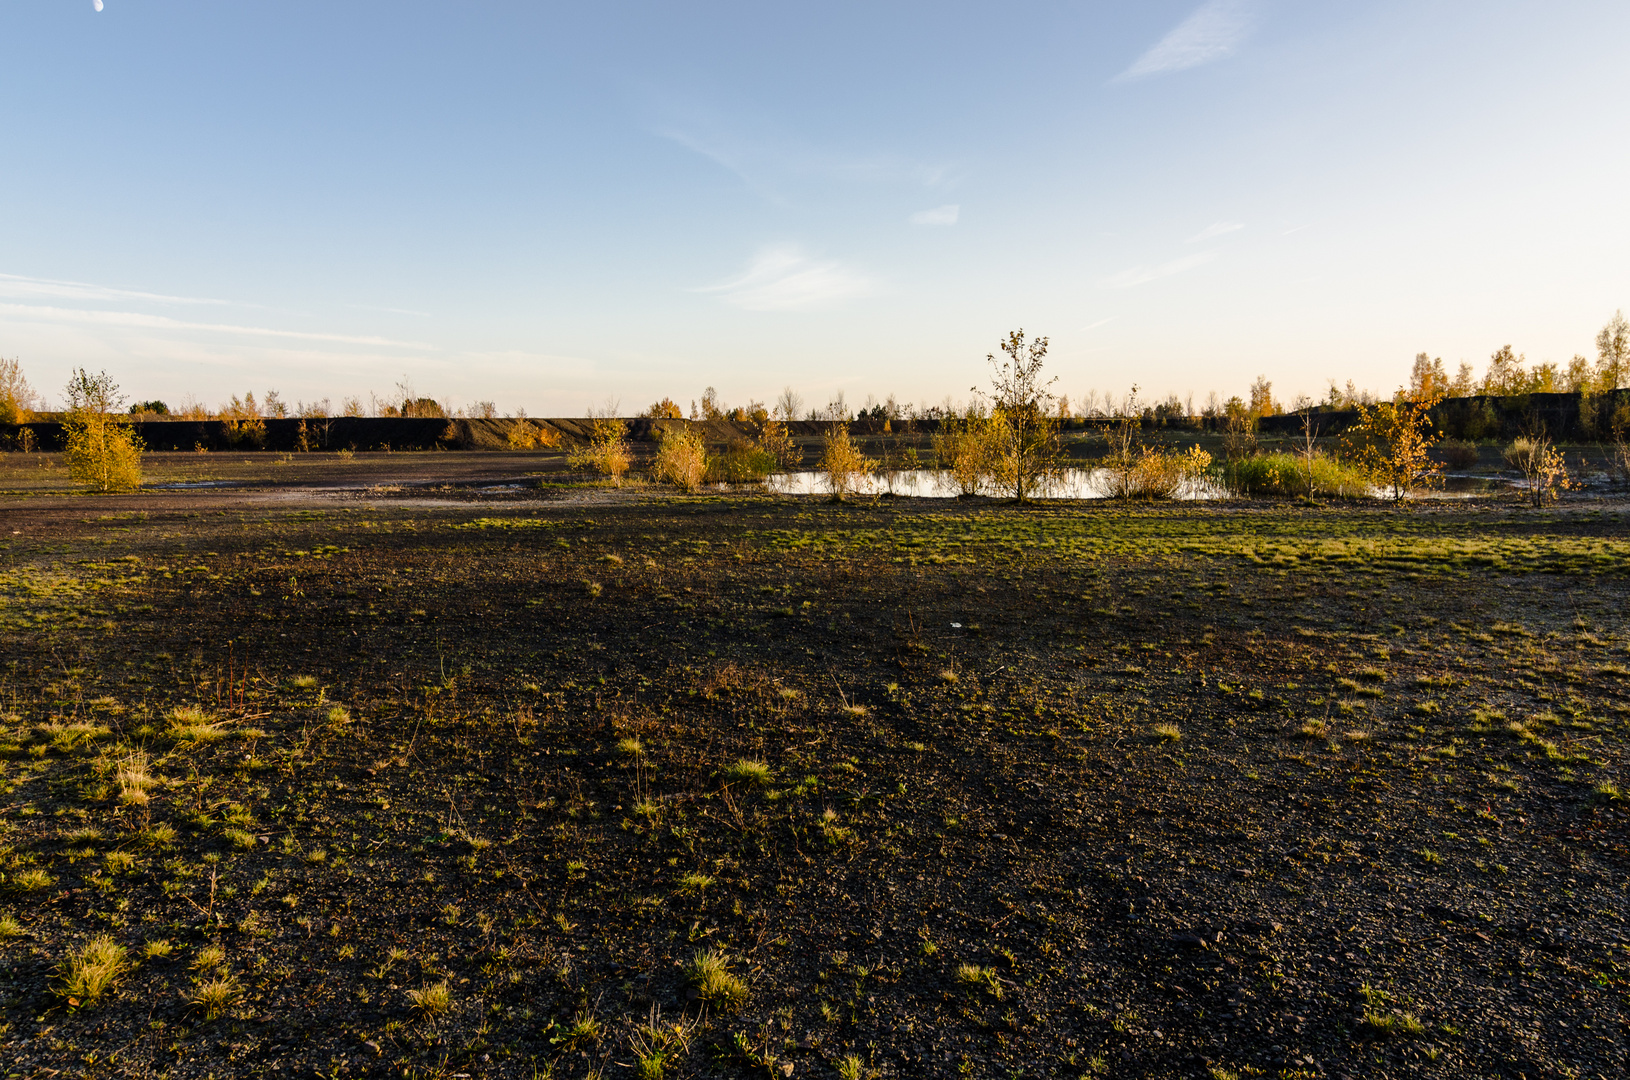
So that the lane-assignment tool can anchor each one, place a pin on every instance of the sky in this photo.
(558, 207)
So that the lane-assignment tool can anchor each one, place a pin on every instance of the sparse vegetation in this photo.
(866, 785)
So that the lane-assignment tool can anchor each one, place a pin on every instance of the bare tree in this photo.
(789, 404)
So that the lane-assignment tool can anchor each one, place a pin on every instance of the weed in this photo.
(1167, 732)
(119, 862)
(850, 1067)
(157, 949)
(10, 927)
(694, 884)
(631, 747)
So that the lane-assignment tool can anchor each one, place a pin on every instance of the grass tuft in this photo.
(749, 771)
(431, 1001)
(709, 974)
(92, 971)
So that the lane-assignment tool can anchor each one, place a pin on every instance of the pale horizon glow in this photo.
(549, 207)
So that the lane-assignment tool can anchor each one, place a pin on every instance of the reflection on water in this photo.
(1077, 484)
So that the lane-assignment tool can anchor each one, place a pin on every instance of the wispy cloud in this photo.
(1214, 230)
(772, 163)
(940, 215)
(1142, 275)
(29, 287)
(1214, 31)
(785, 279)
(144, 321)
(1100, 322)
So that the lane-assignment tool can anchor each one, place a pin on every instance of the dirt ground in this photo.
(383, 767)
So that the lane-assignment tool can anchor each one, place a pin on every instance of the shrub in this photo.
(963, 448)
(666, 409)
(1285, 474)
(16, 396)
(608, 452)
(681, 458)
(1458, 455)
(842, 464)
(525, 435)
(740, 464)
(1154, 474)
(102, 449)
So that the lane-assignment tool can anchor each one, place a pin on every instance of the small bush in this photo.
(740, 464)
(1268, 475)
(842, 465)
(1458, 455)
(525, 435)
(681, 459)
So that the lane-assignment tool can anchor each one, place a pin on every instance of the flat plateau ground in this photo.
(1241, 789)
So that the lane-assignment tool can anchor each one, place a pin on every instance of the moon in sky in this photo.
(97, 4)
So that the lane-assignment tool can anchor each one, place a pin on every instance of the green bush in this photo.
(740, 464)
(1286, 474)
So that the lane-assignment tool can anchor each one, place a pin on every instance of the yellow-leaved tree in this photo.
(1026, 457)
(102, 449)
(1391, 440)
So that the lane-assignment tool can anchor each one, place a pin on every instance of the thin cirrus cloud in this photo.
(1213, 32)
(1142, 275)
(940, 215)
(783, 278)
(16, 285)
(1214, 230)
(135, 320)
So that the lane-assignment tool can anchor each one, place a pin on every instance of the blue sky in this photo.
(550, 206)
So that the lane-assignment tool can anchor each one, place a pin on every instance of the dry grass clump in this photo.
(134, 780)
(30, 880)
(92, 971)
(215, 995)
(1167, 732)
(190, 723)
(631, 747)
(431, 1001)
(10, 927)
(749, 771)
(709, 973)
